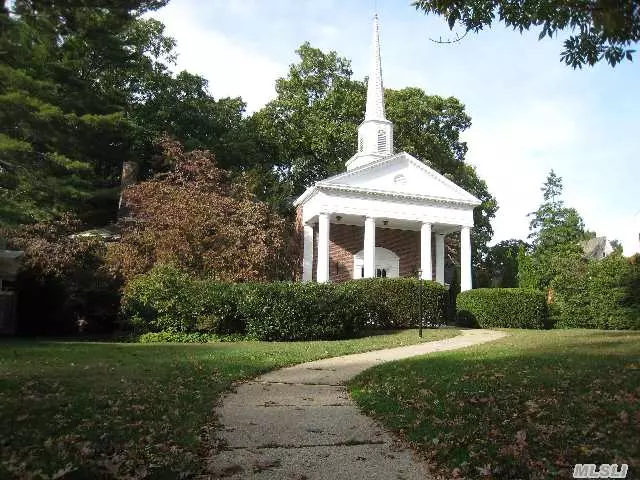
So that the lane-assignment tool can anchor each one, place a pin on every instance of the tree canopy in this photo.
(553, 225)
(556, 232)
(500, 266)
(84, 88)
(313, 121)
(197, 218)
(599, 29)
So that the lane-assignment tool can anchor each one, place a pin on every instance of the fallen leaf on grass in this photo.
(624, 417)
(63, 471)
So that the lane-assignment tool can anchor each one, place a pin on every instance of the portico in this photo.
(389, 214)
(387, 234)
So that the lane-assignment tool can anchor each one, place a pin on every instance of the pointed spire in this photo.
(375, 133)
(375, 89)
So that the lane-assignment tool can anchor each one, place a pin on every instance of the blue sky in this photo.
(530, 112)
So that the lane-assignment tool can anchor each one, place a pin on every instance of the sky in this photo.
(530, 112)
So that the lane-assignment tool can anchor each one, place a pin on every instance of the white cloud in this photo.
(514, 152)
(233, 70)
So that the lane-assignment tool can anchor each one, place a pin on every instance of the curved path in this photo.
(299, 422)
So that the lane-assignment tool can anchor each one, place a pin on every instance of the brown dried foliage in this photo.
(195, 217)
(63, 283)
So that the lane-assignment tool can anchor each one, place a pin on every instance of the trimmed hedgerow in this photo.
(603, 294)
(166, 299)
(393, 302)
(503, 307)
(170, 301)
(302, 311)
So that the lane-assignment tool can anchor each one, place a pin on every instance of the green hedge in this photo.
(601, 294)
(503, 307)
(393, 302)
(168, 300)
(302, 311)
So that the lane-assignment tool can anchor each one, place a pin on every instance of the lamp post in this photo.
(420, 303)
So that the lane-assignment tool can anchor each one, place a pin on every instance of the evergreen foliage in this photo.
(169, 300)
(503, 307)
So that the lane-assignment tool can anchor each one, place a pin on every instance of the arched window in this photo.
(382, 141)
(387, 264)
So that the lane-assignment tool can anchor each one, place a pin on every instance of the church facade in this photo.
(388, 214)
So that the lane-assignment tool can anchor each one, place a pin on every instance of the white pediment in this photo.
(400, 174)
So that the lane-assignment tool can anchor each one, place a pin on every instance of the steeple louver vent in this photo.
(382, 142)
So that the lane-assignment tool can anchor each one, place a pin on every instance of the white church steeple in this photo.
(375, 133)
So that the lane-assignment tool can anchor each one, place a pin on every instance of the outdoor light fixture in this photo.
(386, 222)
(338, 217)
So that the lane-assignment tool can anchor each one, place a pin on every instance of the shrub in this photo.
(203, 219)
(64, 284)
(302, 311)
(219, 311)
(503, 307)
(393, 302)
(597, 294)
(167, 299)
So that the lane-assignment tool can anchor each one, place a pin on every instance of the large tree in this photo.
(555, 232)
(68, 72)
(84, 88)
(500, 266)
(553, 225)
(196, 217)
(599, 29)
(312, 125)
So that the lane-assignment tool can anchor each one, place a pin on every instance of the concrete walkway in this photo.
(299, 422)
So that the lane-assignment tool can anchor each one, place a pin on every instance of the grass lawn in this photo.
(110, 409)
(529, 406)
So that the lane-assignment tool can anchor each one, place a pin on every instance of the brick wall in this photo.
(347, 240)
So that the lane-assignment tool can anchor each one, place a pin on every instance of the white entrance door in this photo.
(387, 264)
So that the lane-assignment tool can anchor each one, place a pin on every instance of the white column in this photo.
(440, 258)
(369, 247)
(323, 247)
(465, 259)
(425, 251)
(307, 260)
